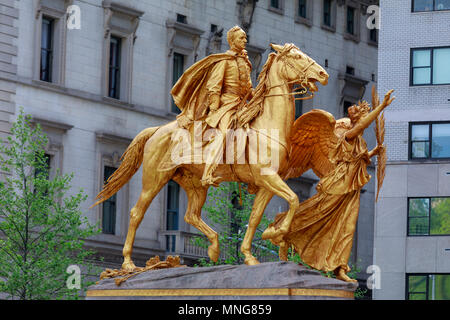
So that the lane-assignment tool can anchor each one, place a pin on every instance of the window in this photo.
(302, 8)
(276, 6)
(109, 206)
(351, 20)
(328, 20)
(350, 70)
(55, 132)
(46, 49)
(173, 192)
(113, 214)
(429, 66)
(119, 37)
(430, 5)
(304, 13)
(429, 140)
(177, 71)
(428, 286)
(327, 13)
(114, 67)
(373, 35)
(50, 41)
(46, 170)
(173, 206)
(428, 216)
(181, 18)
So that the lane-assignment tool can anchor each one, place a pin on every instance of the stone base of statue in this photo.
(268, 281)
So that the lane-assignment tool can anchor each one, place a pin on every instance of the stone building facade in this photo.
(95, 82)
(411, 244)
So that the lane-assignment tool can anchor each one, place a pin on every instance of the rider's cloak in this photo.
(190, 93)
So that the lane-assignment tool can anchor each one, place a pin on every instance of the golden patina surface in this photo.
(216, 94)
(220, 85)
(322, 228)
(152, 264)
(220, 292)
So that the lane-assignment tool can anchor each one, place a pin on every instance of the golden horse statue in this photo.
(274, 104)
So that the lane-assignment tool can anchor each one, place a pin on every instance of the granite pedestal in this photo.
(269, 281)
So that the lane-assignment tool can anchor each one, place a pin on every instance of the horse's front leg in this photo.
(262, 198)
(276, 185)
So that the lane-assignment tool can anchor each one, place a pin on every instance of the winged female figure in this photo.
(323, 226)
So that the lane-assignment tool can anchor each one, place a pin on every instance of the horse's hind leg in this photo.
(197, 194)
(151, 185)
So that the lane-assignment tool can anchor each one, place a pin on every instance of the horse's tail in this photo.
(132, 160)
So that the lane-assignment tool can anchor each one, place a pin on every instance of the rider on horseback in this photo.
(224, 84)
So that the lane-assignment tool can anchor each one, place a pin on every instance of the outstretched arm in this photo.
(365, 122)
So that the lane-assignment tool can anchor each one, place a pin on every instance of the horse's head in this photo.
(300, 68)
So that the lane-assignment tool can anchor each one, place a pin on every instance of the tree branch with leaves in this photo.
(42, 229)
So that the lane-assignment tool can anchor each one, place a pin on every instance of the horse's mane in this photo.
(255, 106)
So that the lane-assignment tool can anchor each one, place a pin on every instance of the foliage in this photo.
(41, 227)
(230, 219)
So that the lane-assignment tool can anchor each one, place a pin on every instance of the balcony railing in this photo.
(182, 243)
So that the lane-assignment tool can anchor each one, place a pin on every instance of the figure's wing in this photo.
(313, 138)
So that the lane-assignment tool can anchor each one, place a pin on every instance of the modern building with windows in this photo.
(93, 88)
(412, 229)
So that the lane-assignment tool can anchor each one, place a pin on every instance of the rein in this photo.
(301, 78)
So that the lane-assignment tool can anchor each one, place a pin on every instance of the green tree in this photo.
(41, 226)
(228, 210)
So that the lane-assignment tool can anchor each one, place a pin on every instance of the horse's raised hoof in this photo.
(251, 261)
(128, 266)
(275, 235)
(268, 233)
(213, 252)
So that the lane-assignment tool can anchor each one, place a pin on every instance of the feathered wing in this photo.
(313, 138)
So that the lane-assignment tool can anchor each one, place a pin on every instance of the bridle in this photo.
(300, 78)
